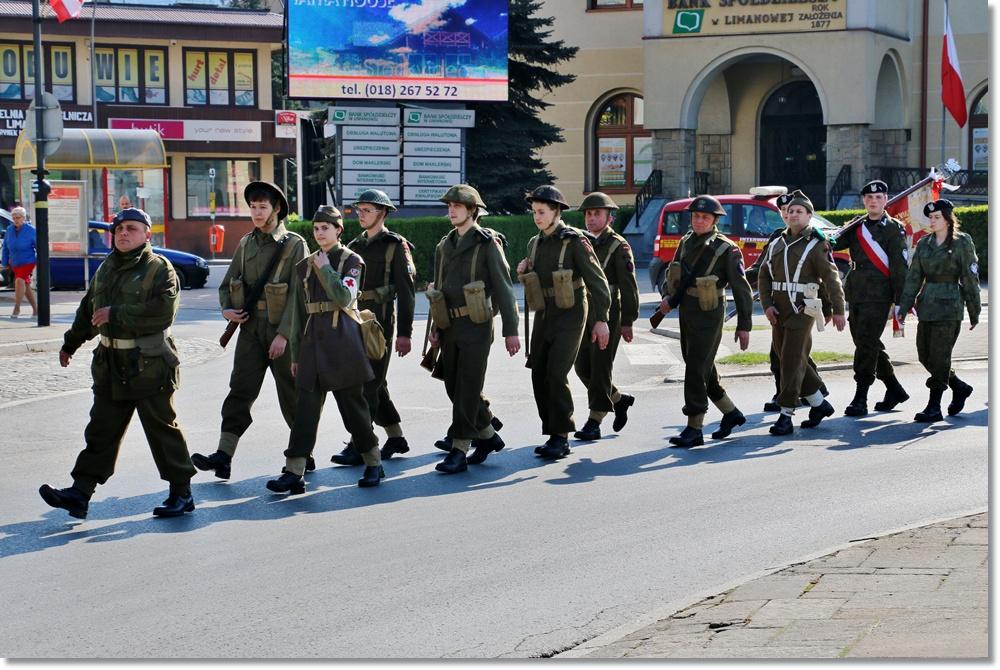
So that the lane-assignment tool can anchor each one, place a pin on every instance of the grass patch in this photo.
(832, 356)
(755, 358)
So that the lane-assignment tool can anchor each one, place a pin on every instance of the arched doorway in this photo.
(793, 141)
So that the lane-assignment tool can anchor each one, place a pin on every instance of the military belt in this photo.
(118, 343)
(368, 295)
(551, 292)
(942, 279)
(458, 312)
(318, 307)
(788, 286)
(693, 291)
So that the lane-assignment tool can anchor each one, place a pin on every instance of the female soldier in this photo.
(945, 267)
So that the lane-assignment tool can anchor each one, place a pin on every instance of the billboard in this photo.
(445, 50)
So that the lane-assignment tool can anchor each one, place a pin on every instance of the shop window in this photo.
(614, 4)
(624, 149)
(229, 180)
(220, 78)
(8, 192)
(979, 133)
(130, 76)
(17, 71)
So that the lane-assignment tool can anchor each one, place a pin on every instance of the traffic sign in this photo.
(53, 123)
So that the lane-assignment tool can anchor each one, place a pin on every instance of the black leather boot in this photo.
(729, 421)
(71, 499)
(783, 426)
(454, 462)
(621, 412)
(220, 461)
(483, 448)
(772, 404)
(817, 414)
(177, 503)
(310, 464)
(689, 437)
(960, 392)
(859, 405)
(372, 476)
(444, 444)
(555, 447)
(894, 395)
(392, 446)
(349, 456)
(591, 431)
(932, 412)
(288, 482)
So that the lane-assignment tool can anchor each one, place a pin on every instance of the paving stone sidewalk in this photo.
(920, 593)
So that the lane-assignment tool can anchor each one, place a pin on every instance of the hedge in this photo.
(974, 221)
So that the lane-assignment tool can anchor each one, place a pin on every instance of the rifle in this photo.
(527, 331)
(687, 280)
(428, 356)
(250, 300)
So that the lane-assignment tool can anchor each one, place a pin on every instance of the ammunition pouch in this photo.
(380, 295)
(813, 306)
(237, 293)
(533, 291)
(438, 308)
(372, 335)
(275, 295)
(158, 345)
(562, 289)
(673, 278)
(477, 302)
(708, 292)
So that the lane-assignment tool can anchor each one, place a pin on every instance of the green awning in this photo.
(91, 148)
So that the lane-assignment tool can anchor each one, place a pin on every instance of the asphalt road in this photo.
(517, 557)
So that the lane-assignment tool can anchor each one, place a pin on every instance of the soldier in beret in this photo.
(705, 263)
(943, 275)
(878, 269)
(131, 304)
(593, 364)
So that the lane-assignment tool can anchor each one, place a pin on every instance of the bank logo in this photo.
(688, 21)
(340, 115)
(414, 117)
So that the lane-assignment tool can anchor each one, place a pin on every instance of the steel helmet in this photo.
(464, 195)
(598, 200)
(706, 204)
(375, 197)
(549, 194)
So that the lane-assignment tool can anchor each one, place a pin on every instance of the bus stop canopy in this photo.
(86, 148)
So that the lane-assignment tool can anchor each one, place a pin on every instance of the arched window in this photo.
(979, 133)
(623, 148)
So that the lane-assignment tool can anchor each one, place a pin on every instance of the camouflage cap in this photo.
(464, 195)
(598, 200)
(549, 194)
(706, 204)
(942, 205)
(375, 197)
(329, 214)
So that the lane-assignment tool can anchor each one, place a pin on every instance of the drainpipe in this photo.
(923, 89)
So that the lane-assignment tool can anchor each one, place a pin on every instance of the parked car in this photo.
(749, 221)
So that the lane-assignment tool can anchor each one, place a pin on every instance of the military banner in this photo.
(703, 18)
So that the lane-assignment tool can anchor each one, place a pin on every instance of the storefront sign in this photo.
(440, 118)
(442, 164)
(444, 179)
(611, 161)
(195, 131)
(701, 18)
(387, 133)
(352, 191)
(286, 124)
(349, 147)
(432, 134)
(370, 163)
(371, 177)
(363, 116)
(12, 119)
(431, 149)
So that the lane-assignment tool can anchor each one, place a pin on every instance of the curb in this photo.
(680, 604)
(766, 372)
(31, 346)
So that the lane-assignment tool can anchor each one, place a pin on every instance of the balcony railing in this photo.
(970, 182)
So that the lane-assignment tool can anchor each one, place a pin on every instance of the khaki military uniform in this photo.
(941, 280)
(779, 287)
(135, 366)
(273, 316)
(710, 254)
(389, 275)
(594, 365)
(471, 267)
(558, 330)
(327, 346)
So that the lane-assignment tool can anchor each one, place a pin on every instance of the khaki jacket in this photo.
(818, 268)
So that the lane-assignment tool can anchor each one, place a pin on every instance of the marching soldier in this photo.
(266, 254)
(797, 263)
(563, 284)
(471, 281)
(945, 273)
(389, 275)
(705, 263)
(878, 269)
(328, 353)
(131, 304)
(594, 365)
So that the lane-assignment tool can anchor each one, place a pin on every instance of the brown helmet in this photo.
(329, 214)
(598, 200)
(706, 204)
(549, 194)
(257, 190)
(463, 194)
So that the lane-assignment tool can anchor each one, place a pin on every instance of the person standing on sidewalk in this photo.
(705, 263)
(389, 275)
(268, 250)
(878, 269)
(563, 284)
(131, 304)
(594, 365)
(471, 279)
(19, 254)
(328, 353)
(797, 263)
(943, 276)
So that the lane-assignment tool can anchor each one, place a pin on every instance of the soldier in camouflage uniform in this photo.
(878, 269)
(131, 304)
(594, 365)
(263, 338)
(568, 285)
(943, 275)
(705, 263)
(471, 282)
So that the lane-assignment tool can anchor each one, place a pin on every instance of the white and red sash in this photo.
(876, 254)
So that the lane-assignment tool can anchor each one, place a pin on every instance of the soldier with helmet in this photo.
(565, 286)
(471, 283)
(594, 365)
(705, 263)
(388, 281)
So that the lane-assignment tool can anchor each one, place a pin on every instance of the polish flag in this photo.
(68, 9)
(952, 90)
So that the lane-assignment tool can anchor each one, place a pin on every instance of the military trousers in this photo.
(775, 362)
(798, 377)
(465, 351)
(594, 367)
(867, 323)
(353, 412)
(109, 419)
(554, 346)
(250, 364)
(376, 391)
(701, 334)
(935, 342)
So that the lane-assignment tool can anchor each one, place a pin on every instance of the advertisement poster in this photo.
(396, 50)
(67, 217)
(156, 85)
(611, 161)
(218, 78)
(194, 73)
(243, 79)
(10, 72)
(981, 149)
(62, 72)
(128, 75)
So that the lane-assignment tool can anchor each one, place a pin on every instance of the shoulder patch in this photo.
(355, 271)
(974, 268)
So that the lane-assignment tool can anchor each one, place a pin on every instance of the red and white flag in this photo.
(910, 209)
(66, 9)
(952, 90)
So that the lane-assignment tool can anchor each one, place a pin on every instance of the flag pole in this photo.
(944, 31)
